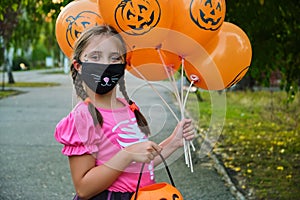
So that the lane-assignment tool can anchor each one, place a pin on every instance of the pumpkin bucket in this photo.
(157, 191)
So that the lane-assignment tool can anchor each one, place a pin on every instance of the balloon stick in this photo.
(186, 144)
(155, 90)
(170, 77)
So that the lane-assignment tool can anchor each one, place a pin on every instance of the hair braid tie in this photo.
(87, 101)
(133, 107)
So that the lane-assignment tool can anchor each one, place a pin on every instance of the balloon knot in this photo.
(158, 46)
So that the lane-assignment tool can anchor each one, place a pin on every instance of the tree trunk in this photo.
(10, 57)
(199, 97)
(3, 79)
(10, 77)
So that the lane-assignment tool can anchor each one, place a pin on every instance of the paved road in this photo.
(32, 167)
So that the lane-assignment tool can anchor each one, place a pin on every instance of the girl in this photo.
(105, 137)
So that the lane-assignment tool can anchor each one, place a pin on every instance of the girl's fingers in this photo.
(154, 149)
(189, 134)
(187, 122)
(151, 156)
(189, 137)
(189, 129)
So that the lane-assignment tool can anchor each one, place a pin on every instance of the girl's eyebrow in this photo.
(101, 52)
(115, 53)
(93, 52)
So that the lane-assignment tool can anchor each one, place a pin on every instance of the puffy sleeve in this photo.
(78, 133)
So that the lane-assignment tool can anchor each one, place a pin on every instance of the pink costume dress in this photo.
(79, 136)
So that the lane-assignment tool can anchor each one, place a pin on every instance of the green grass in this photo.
(32, 84)
(260, 143)
(12, 91)
(54, 72)
(7, 93)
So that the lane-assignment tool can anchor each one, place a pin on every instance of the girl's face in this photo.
(102, 64)
(104, 50)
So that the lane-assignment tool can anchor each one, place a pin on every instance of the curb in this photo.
(221, 170)
(219, 167)
(217, 164)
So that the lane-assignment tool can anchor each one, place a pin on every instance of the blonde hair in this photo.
(79, 46)
(104, 30)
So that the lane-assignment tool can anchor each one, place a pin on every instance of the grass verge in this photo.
(32, 84)
(7, 93)
(260, 144)
(9, 89)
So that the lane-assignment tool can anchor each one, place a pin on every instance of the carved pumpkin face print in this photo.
(77, 24)
(238, 77)
(208, 14)
(174, 197)
(158, 191)
(136, 17)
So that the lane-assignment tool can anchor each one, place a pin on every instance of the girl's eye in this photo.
(116, 58)
(94, 56)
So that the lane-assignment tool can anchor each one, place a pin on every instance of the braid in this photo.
(78, 84)
(96, 115)
(123, 89)
(140, 119)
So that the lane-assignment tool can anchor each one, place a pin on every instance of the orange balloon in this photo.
(198, 19)
(229, 58)
(151, 65)
(137, 20)
(158, 191)
(73, 19)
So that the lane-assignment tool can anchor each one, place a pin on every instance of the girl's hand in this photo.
(143, 151)
(184, 129)
(188, 130)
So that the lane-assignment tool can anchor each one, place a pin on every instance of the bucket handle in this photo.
(141, 173)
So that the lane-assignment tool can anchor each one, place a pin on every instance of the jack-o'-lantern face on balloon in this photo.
(208, 14)
(77, 24)
(73, 19)
(136, 17)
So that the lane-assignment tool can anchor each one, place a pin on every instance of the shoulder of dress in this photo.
(80, 106)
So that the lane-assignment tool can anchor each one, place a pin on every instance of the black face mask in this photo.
(101, 78)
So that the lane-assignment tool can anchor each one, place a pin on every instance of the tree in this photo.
(22, 22)
(273, 28)
(8, 23)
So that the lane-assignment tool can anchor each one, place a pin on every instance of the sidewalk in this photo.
(32, 166)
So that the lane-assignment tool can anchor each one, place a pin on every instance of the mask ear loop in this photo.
(79, 61)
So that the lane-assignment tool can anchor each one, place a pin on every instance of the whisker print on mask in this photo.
(96, 77)
(113, 79)
(115, 75)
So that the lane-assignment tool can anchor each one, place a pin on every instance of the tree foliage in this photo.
(23, 22)
(273, 28)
